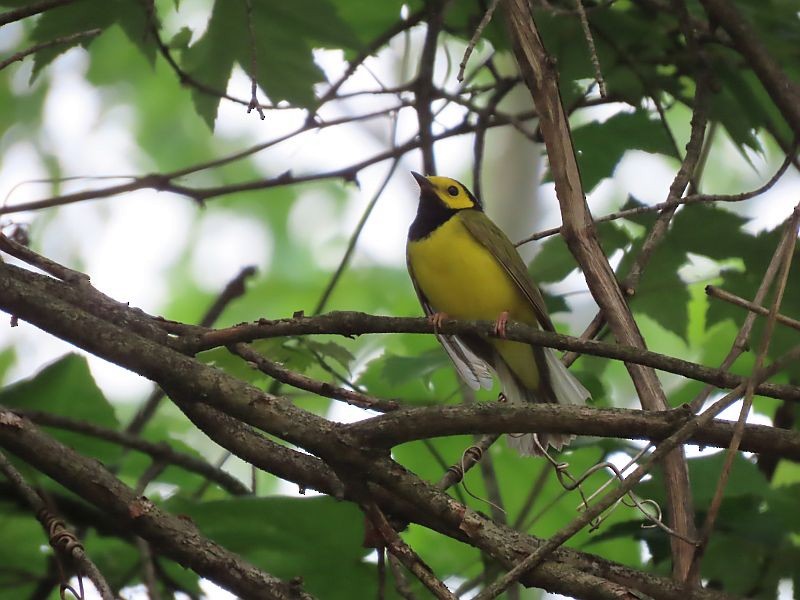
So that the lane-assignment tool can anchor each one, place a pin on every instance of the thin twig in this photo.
(503, 87)
(30, 10)
(354, 237)
(587, 34)
(400, 580)
(253, 61)
(721, 294)
(163, 181)
(424, 85)
(487, 17)
(353, 323)
(300, 381)
(691, 199)
(740, 343)
(160, 452)
(716, 502)
(148, 570)
(397, 547)
(50, 267)
(66, 39)
(396, 28)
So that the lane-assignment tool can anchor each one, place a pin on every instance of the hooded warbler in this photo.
(463, 266)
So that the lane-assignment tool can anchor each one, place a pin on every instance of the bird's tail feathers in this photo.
(567, 390)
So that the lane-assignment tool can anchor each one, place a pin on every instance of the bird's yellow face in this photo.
(451, 193)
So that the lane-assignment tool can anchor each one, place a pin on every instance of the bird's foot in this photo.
(437, 319)
(500, 324)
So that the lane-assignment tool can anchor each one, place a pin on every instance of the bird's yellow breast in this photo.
(461, 277)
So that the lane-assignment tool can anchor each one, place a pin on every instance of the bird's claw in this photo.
(500, 324)
(437, 319)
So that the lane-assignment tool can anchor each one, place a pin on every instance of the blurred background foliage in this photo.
(110, 106)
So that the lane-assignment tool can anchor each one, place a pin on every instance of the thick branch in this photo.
(170, 535)
(421, 423)
(355, 323)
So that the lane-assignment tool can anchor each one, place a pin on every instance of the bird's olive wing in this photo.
(492, 237)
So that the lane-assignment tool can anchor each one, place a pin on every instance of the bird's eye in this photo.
(452, 190)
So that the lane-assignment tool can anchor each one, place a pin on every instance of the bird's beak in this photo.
(422, 181)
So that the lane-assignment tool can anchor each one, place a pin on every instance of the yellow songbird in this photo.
(464, 267)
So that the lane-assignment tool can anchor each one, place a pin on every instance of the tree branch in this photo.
(354, 323)
(160, 451)
(30, 10)
(391, 429)
(404, 493)
(539, 72)
(67, 39)
(784, 92)
(172, 536)
(63, 541)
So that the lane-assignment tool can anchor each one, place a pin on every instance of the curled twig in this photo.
(474, 454)
(66, 545)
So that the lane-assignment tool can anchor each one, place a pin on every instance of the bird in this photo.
(463, 266)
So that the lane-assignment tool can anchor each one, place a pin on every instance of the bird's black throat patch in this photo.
(431, 214)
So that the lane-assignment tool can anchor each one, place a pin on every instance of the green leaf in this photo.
(720, 236)
(331, 350)
(180, 41)
(21, 553)
(643, 219)
(116, 558)
(600, 146)
(756, 252)
(739, 102)
(7, 358)
(554, 303)
(368, 20)
(745, 479)
(553, 262)
(67, 388)
(612, 237)
(284, 35)
(401, 369)
(83, 16)
(426, 378)
(187, 579)
(660, 280)
(316, 538)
